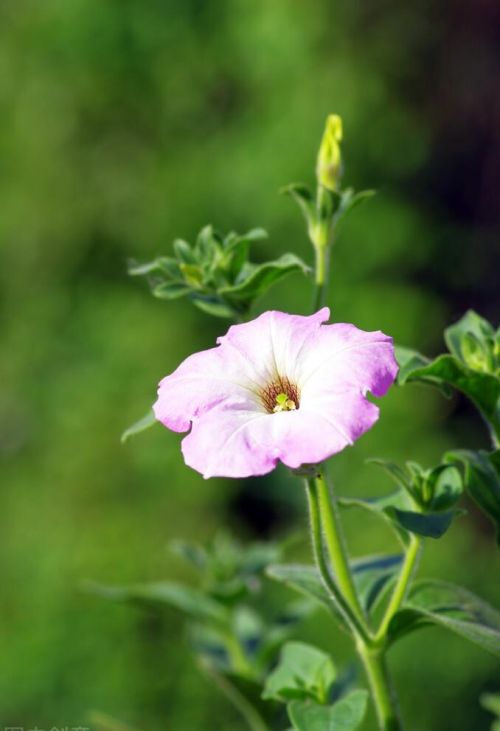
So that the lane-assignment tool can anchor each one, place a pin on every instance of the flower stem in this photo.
(371, 650)
(322, 266)
(401, 588)
(343, 606)
(336, 547)
(383, 696)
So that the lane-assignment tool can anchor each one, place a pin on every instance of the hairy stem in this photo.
(335, 543)
(343, 606)
(327, 534)
(384, 700)
(402, 586)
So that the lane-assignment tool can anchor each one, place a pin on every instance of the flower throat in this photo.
(280, 395)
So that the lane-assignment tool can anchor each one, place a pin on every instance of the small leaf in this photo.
(482, 480)
(350, 200)
(171, 290)
(371, 574)
(159, 594)
(139, 426)
(305, 200)
(345, 715)
(214, 307)
(429, 525)
(184, 252)
(381, 506)
(409, 362)
(193, 275)
(303, 672)
(206, 245)
(470, 324)
(162, 264)
(255, 234)
(262, 276)
(445, 487)
(452, 607)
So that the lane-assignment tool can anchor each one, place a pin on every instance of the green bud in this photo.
(477, 354)
(328, 167)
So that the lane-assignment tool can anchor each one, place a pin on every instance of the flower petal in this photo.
(227, 444)
(346, 358)
(242, 443)
(203, 381)
(274, 342)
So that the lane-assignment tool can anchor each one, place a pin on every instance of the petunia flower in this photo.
(279, 388)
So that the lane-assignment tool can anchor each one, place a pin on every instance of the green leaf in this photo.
(206, 246)
(410, 361)
(171, 290)
(345, 715)
(482, 480)
(262, 276)
(471, 324)
(303, 672)
(350, 200)
(162, 264)
(193, 275)
(139, 426)
(451, 607)
(381, 507)
(304, 579)
(184, 252)
(255, 234)
(236, 251)
(305, 200)
(371, 574)
(156, 595)
(214, 307)
(445, 486)
(430, 525)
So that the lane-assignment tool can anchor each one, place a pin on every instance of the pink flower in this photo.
(279, 388)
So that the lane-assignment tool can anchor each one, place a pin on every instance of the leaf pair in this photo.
(429, 602)
(216, 273)
(304, 678)
(424, 504)
(472, 366)
(326, 210)
(371, 574)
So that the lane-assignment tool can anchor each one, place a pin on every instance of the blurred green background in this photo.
(126, 123)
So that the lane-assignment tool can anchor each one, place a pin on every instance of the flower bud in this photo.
(328, 167)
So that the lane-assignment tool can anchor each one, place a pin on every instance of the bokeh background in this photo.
(127, 123)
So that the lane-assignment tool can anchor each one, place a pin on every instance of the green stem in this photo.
(401, 588)
(254, 720)
(336, 547)
(322, 266)
(383, 696)
(340, 602)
